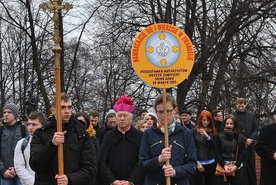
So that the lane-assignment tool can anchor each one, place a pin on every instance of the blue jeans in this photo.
(11, 181)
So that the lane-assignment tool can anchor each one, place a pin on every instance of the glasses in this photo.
(169, 111)
(122, 115)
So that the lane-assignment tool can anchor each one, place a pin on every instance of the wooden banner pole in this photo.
(166, 134)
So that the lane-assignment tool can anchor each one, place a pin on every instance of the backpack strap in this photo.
(23, 147)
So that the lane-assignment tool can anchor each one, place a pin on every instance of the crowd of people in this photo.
(128, 151)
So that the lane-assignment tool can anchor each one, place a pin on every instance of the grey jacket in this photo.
(10, 136)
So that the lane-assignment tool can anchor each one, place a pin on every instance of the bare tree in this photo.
(234, 44)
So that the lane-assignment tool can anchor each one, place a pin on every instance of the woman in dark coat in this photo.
(230, 149)
(204, 134)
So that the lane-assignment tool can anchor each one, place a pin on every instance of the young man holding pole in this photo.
(175, 162)
(79, 155)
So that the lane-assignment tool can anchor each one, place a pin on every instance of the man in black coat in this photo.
(249, 128)
(266, 149)
(79, 156)
(118, 158)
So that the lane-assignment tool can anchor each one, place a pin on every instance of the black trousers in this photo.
(249, 167)
(205, 178)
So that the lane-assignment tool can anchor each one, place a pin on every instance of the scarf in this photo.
(171, 127)
(229, 133)
(90, 130)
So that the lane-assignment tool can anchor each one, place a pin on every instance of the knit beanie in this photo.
(111, 111)
(152, 114)
(14, 108)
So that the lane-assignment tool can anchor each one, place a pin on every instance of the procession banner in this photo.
(163, 56)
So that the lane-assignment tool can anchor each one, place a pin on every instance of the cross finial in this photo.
(56, 6)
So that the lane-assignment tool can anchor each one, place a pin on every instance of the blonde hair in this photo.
(140, 123)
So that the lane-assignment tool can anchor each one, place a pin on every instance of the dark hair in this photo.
(94, 113)
(85, 116)
(169, 98)
(236, 127)
(65, 97)
(215, 112)
(206, 113)
(38, 115)
(142, 111)
(240, 100)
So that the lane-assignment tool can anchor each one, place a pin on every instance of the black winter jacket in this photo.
(248, 125)
(226, 149)
(205, 150)
(118, 158)
(265, 148)
(79, 155)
